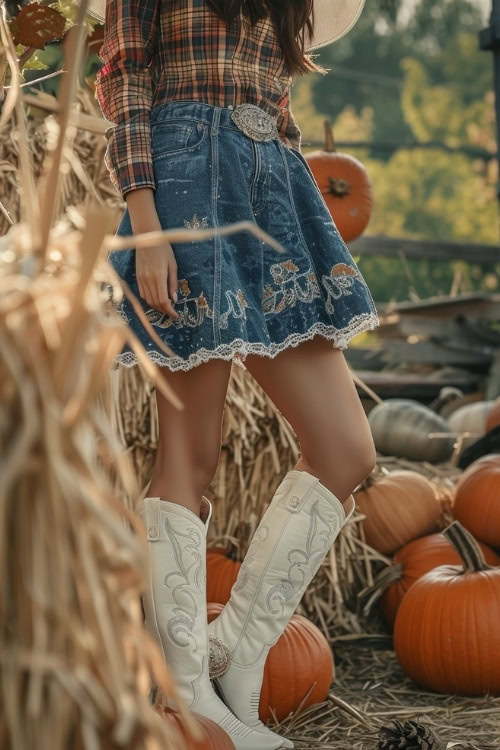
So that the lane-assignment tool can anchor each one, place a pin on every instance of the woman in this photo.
(203, 136)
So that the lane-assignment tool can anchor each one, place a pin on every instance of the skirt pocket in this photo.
(170, 138)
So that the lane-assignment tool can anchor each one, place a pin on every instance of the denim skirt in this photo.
(237, 294)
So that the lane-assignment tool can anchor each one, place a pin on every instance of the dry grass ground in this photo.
(371, 689)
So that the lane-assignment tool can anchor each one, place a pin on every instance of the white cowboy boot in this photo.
(290, 543)
(175, 611)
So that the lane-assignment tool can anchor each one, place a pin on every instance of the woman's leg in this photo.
(312, 387)
(189, 440)
(175, 602)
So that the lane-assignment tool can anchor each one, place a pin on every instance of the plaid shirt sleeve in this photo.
(125, 93)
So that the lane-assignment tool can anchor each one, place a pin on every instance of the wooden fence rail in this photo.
(437, 249)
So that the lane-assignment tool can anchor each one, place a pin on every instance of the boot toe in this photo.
(284, 741)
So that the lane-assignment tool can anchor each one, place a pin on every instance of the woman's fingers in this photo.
(163, 287)
(146, 291)
(164, 300)
(172, 281)
(167, 289)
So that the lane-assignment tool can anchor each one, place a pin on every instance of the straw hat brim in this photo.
(332, 19)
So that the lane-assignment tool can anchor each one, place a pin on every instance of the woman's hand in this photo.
(156, 267)
(156, 271)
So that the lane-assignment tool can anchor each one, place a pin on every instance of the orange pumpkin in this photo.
(299, 661)
(222, 571)
(399, 507)
(213, 737)
(446, 634)
(345, 186)
(415, 559)
(493, 418)
(477, 500)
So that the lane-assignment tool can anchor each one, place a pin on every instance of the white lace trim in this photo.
(239, 349)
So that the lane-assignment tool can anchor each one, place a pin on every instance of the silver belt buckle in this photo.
(254, 122)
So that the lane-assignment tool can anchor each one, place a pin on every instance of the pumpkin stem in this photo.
(381, 583)
(467, 547)
(336, 186)
(329, 140)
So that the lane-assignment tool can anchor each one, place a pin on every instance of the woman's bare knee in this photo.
(340, 469)
(189, 440)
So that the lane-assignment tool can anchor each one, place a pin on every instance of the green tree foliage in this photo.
(420, 79)
(445, 109)
(432, 194)
(367, 66)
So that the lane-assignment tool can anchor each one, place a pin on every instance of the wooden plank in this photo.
(401, 352)
(460, 327)
(391, 146)
(364, 359)
(467, 299)
(464, 330)
(473, 305)
(435, 249)
(404, 385)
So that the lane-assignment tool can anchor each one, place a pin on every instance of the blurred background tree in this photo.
(413, 72)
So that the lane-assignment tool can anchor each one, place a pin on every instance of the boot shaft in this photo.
(175, 607)
(301, 523)
(175, 602)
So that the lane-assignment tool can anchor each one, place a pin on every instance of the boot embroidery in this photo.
(234, 726)
(190, 572)
(196, 683)
(323, 538)
(304, 564)
(260, 536)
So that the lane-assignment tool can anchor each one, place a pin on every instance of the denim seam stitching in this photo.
(256, 175)
(214, 132)
(299, 228)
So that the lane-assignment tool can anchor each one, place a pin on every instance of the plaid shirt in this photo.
(157, 50)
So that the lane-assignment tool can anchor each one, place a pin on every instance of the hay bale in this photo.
(85, 178)
(75, 661)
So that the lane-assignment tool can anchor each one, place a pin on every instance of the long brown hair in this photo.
(290, 18)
